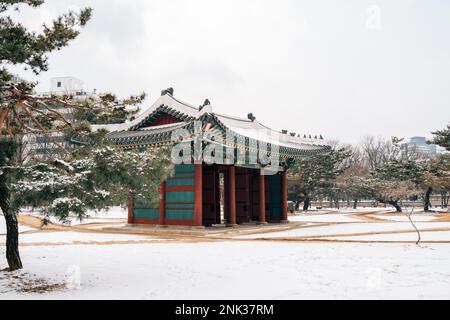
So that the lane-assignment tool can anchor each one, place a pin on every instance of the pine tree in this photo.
(20, 46)
(396, 180)
(93, 181)
(23, 112)
(308, 176)
(436, 178)
(442, 138)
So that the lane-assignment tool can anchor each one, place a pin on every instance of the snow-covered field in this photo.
(330, 217)
(415, 218)
(3, 226)
(74, 263)
(349, 228)
(75, 237)
(111, 215)
(394, 237)
(231, 270)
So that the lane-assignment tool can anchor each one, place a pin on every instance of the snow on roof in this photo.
(244, 127)
(256, 130)
(165, 100)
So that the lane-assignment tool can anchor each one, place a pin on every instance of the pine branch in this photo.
(6, 4)
(59, 115)
(19, 121)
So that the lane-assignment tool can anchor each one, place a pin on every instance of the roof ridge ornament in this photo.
(169, 91)
(205, 104)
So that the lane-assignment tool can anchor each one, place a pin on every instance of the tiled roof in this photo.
(137, 132)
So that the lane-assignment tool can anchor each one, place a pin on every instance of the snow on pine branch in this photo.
(95, 181)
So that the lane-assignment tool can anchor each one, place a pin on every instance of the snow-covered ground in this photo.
(330, 217)
(74, 237)
(360, 209)
(132, 266)
(377, 209)
(3, 226)
(404, 218)
(348, 228)
(393, 237)
(112, 215)
(236, 270)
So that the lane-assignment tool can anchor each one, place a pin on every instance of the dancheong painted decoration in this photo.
(228, 170)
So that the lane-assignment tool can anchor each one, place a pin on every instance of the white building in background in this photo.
(66, 86)
(41, 146)
(421, 146)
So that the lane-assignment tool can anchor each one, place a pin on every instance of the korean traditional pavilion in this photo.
(193, 195)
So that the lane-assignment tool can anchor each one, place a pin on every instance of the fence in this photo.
(437, 201)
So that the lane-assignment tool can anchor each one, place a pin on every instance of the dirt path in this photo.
(445, 217)
(187, 235)
(346, 235)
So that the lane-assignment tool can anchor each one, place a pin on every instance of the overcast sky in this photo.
(343, 69)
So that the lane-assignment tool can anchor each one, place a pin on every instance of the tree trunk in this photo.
(427, 203)
(297, 205)
(12, 234)
(306, 203)
(12, 229)
(12, 243)
(444, 199)
(355, 204)
(395, 205)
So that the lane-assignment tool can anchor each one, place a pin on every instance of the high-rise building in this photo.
(421, 146)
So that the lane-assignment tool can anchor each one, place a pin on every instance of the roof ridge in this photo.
(184, 103)
(232, 117)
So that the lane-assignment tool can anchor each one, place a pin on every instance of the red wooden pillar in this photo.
(218, 193)
(248, 204)
(225, 197)
(198, 196)
(284, 208)
(130, 207)
(162, 203)
(262, 199)
(232, 195)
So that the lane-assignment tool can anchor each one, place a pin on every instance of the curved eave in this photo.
(138, 134)
(177, 108)
(163, 134)
(302, 150)
(149, 135)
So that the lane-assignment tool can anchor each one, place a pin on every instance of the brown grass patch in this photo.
(26, 283)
